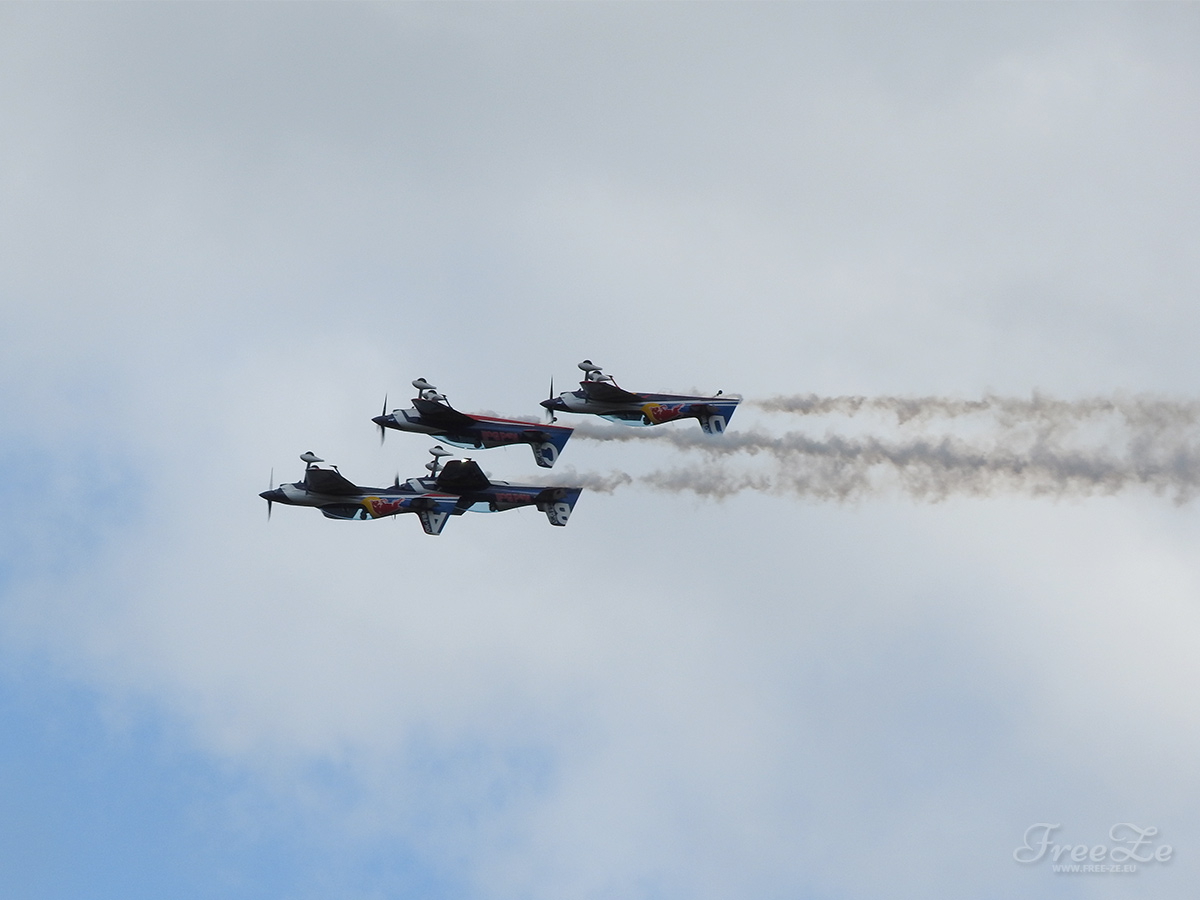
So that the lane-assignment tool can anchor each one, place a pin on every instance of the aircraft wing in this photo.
(462, 476)
(442, 416)
(603, 392)
(327, 481)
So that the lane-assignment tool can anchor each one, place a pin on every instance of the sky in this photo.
(229, 231)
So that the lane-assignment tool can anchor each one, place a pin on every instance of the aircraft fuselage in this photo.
(649, 409)
(478, 432)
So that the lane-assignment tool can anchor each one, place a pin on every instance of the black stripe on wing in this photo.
(327, 481)
(603, 392)
(462, 476)
(441, 416)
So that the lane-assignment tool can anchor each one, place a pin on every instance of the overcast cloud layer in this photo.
(228, 230)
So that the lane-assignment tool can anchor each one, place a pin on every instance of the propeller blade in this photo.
(272, 487)
(382, 430)
(550, 417)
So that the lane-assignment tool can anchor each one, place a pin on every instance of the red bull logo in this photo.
(377, 507)
(657, 413)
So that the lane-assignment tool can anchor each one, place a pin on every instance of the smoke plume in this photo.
(932, 448)
(1136, 410)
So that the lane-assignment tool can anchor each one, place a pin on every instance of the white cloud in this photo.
(233, 229)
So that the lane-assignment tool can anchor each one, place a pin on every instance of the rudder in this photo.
(558, 504)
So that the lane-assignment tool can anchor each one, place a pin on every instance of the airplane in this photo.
(432, 414)
(599, 395)
(450, 490)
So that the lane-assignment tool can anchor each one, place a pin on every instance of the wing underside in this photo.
(603, 392)
(442, 416)
(327, 481)
(462, 476)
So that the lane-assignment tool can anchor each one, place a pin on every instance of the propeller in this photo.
(551, 418)
(382, 415)
(271, 488)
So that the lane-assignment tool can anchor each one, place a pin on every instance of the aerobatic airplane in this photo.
(451, 490)
(599, 395)
(432, 414)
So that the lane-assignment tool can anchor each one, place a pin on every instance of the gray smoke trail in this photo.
(1157, 451)
(592, 481)
(1140, 410)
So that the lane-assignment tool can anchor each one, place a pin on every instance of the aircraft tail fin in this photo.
(434, 514)
(432, 521)
(715, 415)
(547, 444)
(558, 503)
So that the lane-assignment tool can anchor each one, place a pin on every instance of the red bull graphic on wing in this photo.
(657, 413)
(378, 507)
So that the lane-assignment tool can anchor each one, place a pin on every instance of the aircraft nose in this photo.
(275, 495)
(382, 421)
(553, 403)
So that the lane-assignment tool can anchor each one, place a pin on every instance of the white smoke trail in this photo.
(1039, 447)
(1136, 410)
(592, 481)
